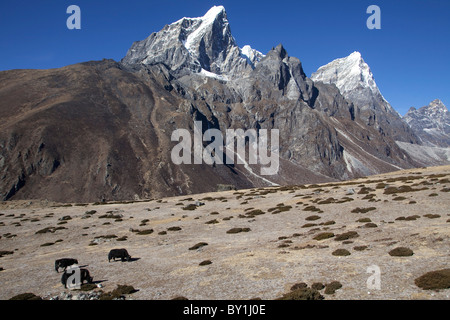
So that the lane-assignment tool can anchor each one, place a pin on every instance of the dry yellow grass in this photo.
(246, 264)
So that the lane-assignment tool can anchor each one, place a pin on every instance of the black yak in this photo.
(64, 263)
(119, 253)
(83, 276)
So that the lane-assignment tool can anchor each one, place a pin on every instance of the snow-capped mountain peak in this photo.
(198, 28)
(210, 16)
(203, 45)
(347, 74)
(252, 55)
(354, 79)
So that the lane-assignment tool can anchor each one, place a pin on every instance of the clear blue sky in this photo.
(409, 56)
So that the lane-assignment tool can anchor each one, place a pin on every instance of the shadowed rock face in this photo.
(102, 130)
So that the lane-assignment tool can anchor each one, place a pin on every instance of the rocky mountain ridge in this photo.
(431, 123)
(101, 130)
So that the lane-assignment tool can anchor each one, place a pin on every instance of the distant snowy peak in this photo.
(347, 74)
(354, 79)
(431, 123)
(437, 108)
(254, 56)
(203, 45)
(435, 114)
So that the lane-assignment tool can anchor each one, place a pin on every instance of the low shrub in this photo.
(198, 246)
(26, 296)
(5, 252)
(118, 292)
(144, 232)
(401, 252)
(434, 280)
(346, 236)
(49, 229)
(317, 286)
(431, 216)
(238, 230)
(300, 285)
(363, 210)
(332, 287)
(341, 252)
(308, 225)
(302, 294)
(328, 223)
(370, 225)
(205, 263)
(323, 236)
(110, 216)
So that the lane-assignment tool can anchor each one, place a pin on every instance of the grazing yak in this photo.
(84, 276)
(64, 263)
(119, 253)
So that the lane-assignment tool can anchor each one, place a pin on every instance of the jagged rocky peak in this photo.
(202, 45)
(435, 114)
(284, 72)
(437, 106)
(431, 123)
